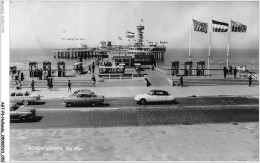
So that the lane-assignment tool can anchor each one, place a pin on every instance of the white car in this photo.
(154, 96)
(24, 97)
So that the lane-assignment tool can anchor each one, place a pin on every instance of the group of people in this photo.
(229, 70)
(18, 76)
(91, 68)
(41, 74)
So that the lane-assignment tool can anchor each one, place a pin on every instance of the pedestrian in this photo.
(51, 84)
(17, 85)
(235, 72)
(94, 79)
(69, 86)
(48, 84)
(40, 74)
(93, 67)
(37, 73)
(81, 68)
(225, 71)
(181, 81)
(230, 69)
(250, 80)
(89, 69)
(32, 85)
(22, 76)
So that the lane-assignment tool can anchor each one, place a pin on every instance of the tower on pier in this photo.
(140, 29)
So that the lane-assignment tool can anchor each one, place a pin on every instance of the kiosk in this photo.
(33, 66)
(78, 67)
(175, 68)
(61, 68)
(188, 68)
(47, 67)
(200, 68)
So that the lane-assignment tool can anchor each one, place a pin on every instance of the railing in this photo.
(120, 76)
(193, 72)
(206, 72)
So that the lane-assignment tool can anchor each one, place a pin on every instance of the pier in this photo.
(79, 52)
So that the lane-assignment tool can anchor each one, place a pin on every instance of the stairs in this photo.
(56, 83)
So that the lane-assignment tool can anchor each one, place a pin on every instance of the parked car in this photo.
(21, 113)
(83, 98)
(24, 97)
(154, 96)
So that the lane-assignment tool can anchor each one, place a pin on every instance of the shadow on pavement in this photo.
(36, 119)
(90, 105)
(161, 103)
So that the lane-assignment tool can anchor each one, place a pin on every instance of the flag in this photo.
(129, 34)
(238, 27)
(199, 26)
(219, 26)
(119, 38)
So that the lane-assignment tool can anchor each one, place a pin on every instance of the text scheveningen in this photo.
(45, 148)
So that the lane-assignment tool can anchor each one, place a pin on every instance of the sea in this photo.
(238, 57)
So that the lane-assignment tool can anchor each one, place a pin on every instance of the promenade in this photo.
(132, 87)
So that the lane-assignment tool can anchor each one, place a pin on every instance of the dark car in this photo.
(83, 98)
(21, 113)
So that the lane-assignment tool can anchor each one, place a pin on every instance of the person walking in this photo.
(225, 71)
(22, 76)
(250, 80)
(69, 86)
(32, 85)
(235, 72)
(181, 81)
(89, 69)
(230, 69)
(48, 84)
(94, 79)
(93, 67)
(51, 84)
(40, 74)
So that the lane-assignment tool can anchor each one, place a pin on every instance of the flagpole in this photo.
(228, 40)
(190, 40)
(209, 41)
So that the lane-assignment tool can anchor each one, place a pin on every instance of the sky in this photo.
(43, 24)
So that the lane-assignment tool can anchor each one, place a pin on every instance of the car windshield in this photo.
(75, 93)
(150, 93)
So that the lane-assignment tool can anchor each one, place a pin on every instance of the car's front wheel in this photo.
(25, 102)
(143, 101)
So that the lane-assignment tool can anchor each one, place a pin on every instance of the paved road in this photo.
(179, 101)
(125, 112)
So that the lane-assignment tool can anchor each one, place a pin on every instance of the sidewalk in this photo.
(132, 91)
(207, 142)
